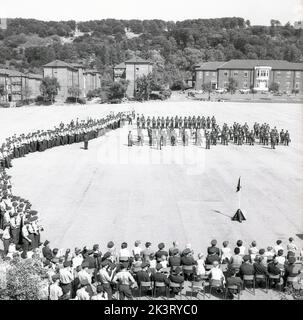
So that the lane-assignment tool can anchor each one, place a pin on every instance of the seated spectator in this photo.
(278, 246)
(55, 291)
(200, 269)
(235, 260)
(187, 247)
(281, 259)
(158, 276)
(152, 262)
(82, 293)
(213, 247)
(161, 252)
(124, 253)
(174, 247)
(164, 261)
(260, 269)
(176, 277)
(136, 264)
(290, 268)
(246, 268)
(253, 250)
(147, 251)
(269, 254)
(264, 258)
(137, 249)
(233, 280)
(77, 258)
(291, 248)
(55, 257)
(241, 247)
(216, 275)
(111, 248)
(225, 252)
(212, 255)
(101, 294)
(143, 276)
(273, 269)
(174, 260)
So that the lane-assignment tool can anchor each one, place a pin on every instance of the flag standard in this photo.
(239, 216)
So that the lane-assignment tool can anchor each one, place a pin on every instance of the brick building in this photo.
(131, 70)
(72, 75)
(257, 74)
(19, 86)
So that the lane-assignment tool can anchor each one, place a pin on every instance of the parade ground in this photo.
(120, 193)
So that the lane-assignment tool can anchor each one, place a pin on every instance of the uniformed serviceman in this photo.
(86, 139)
(130, 139)
(207, 140)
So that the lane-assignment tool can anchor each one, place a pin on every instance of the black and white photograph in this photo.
(151, 151)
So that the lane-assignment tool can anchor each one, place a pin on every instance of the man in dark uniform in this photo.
(158, 276)
(130, 139)
(207, 140)
(86, 139)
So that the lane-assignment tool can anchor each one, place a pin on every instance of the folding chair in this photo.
(233, 287)
(264, 278)
(216, 284)
(145, 284)
(176, 285)
(159, 285)
(198, 286)
(274, 277)
(250, 278)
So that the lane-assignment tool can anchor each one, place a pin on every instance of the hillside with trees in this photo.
(173, 47)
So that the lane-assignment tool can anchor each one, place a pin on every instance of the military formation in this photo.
(175, 130)
(74, 132)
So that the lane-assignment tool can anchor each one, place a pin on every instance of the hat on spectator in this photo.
(213, 242)
(159, 266)
(246, 257)
(145, 264)
(261, 251)
(33, 212)
(106, 255)
(161, 245)
(291, 259)
(110, 244)
(291, 239)
(99, 288)
(175, 251)
(46, 242)
(137, 242)
(67, 264)
(85, 264)
(186, 251)
(55, 277)
(147, 244)
(104, 263)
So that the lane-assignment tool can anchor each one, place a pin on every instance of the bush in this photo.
(19, 103)
(4, 105)
(75, 100)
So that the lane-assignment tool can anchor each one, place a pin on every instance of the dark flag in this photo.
(239, 216)
(239, 185)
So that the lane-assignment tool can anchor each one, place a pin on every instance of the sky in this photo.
(259, 12)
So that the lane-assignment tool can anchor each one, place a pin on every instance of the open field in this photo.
(112, 192)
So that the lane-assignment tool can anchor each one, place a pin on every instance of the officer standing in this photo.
(86, 139)
(130, 139)
(207, 140)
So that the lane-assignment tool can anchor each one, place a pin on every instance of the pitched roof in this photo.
(58, 64)
(137, 60)
(34, 76)
(210, 65)
(11, 73)
(251, 64)
(120, 66)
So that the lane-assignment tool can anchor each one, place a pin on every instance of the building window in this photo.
(297, 85)
(214, 74)
(278, 73)
(225, 84)
(225, 73)
(288, 84)
(200, 74)
(288, 74)
(298, 74)
(245, 74)
(206, 73)
(236, 73)
(244, 84)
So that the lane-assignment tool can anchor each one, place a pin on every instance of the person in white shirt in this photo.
(77, 259)
(216, 274)
(82, 294)
(125, 280)
(200, 269)
(225, 252)
(291, 247)
(278, 246)
(253, 250)
(84, 277)
(55, 292)
(124, 252)
(241, 247)
(137, 249)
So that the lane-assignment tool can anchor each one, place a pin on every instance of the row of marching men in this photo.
(73, 132)
(19, 224)
(176, 122)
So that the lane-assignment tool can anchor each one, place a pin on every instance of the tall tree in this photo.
(232, 85)
(49, 88)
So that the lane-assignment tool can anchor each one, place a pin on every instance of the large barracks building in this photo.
(257, 74)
